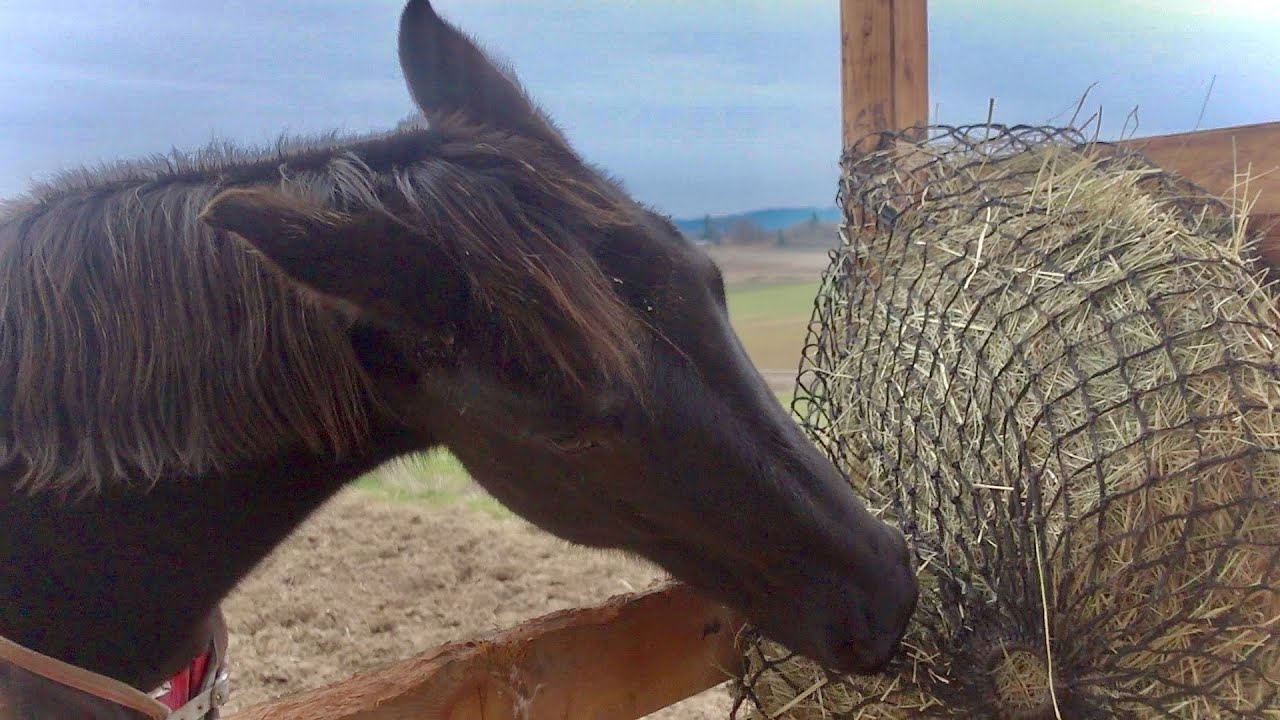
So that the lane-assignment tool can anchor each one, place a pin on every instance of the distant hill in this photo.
(770, 220)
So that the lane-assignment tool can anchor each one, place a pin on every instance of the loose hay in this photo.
(1056, 368)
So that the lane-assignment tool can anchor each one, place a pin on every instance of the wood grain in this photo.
(621, 660)
(1221, 160)
(884, 77)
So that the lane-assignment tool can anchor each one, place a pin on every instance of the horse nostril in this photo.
(882, 659)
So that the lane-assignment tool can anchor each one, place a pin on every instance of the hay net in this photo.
(1055, 368)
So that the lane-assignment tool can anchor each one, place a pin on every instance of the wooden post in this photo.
(884, 77)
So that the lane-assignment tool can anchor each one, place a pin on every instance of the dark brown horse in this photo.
(196, 353)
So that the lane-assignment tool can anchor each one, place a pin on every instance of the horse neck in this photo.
(123, 583)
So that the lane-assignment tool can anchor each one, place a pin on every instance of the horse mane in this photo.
(137, 344)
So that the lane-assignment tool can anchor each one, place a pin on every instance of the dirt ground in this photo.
(368, 581)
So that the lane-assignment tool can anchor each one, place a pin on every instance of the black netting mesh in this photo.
(1055, 367)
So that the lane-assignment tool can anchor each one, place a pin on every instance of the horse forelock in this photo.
(523, 223)
(137, 344)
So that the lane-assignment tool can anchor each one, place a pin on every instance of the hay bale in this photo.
(1056, 368)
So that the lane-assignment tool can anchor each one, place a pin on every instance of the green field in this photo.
(434, 478)
(770, 318)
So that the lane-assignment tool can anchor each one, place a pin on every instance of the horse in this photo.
(198, 350)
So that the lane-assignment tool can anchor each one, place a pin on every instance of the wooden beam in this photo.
(910, 63)
(1219, 160)
(884, 78)
(1268, 227)
(621, 660)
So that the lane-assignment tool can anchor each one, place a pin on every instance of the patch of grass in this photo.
(771, 301)
(772, 319)
(434, 478)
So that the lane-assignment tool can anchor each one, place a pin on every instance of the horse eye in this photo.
(570, 443)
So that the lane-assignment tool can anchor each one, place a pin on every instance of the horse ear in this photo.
(447, 73)
(367, 260)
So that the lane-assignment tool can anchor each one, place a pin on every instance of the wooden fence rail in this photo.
(621, 660)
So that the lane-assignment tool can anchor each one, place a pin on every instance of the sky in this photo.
(714, 106)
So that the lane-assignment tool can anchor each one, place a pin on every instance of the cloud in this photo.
(716, 106)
